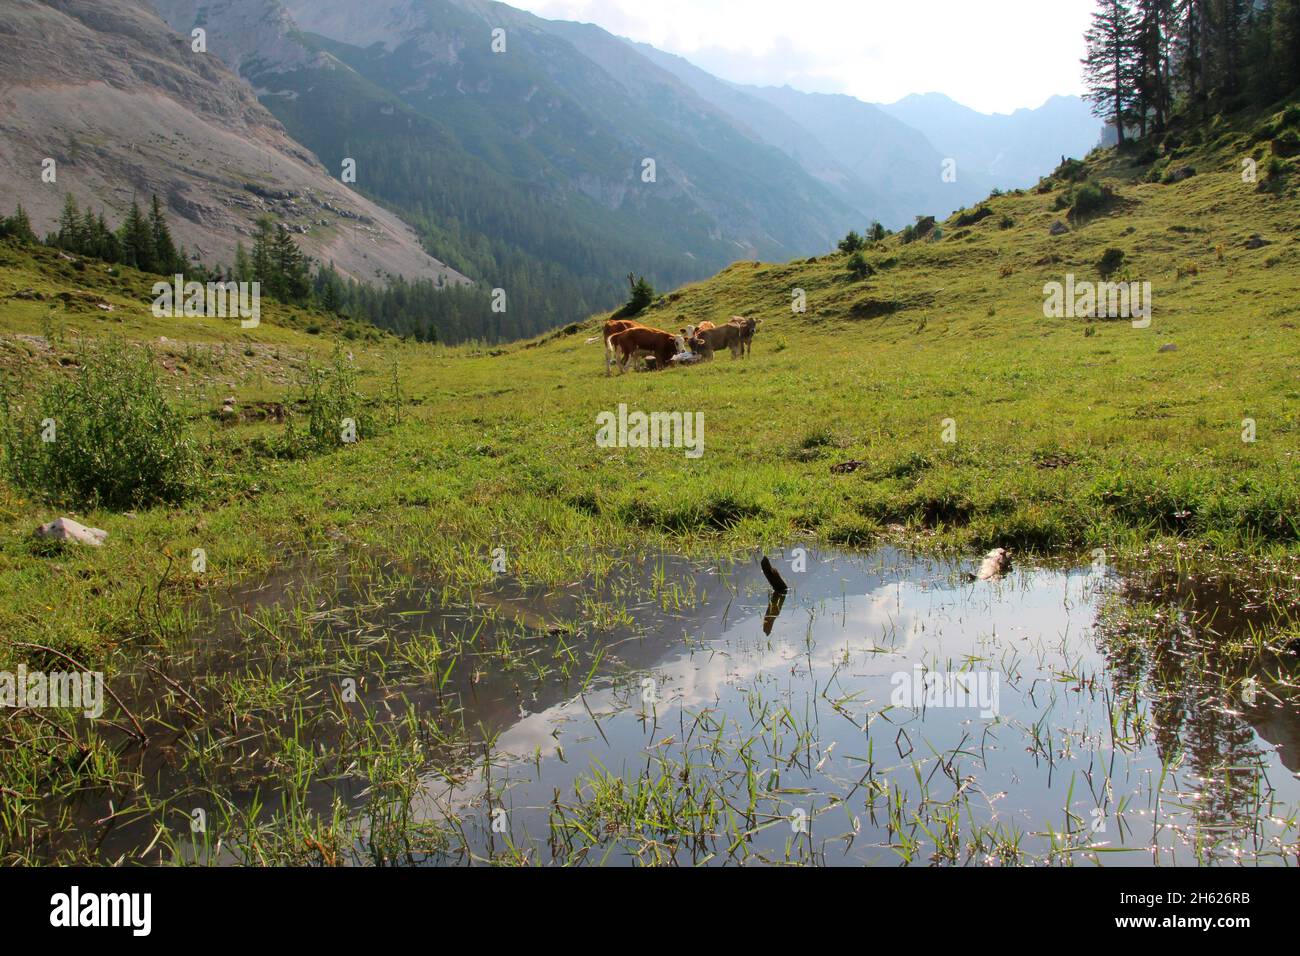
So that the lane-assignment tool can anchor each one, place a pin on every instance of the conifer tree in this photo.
(1109, 67)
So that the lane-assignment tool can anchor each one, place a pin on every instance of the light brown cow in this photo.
(727, 336)
(688, 333)
(747, 329)
(643, 340)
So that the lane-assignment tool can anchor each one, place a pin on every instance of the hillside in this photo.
(1071, 434)
(75, 74)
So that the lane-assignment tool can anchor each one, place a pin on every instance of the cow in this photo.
(612, 328)
(688, 333)
(747, 329)
(727, 336)
(643, 340)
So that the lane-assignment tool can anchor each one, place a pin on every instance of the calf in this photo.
(727, 336)
(688, 333)
(643, 340)
(612, 328)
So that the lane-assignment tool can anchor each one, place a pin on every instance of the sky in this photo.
(990, 55)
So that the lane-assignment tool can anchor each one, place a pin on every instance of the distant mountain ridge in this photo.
(1010, 149)
(127, 109)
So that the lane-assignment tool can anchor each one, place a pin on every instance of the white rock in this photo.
(996, 563)
(65, 529)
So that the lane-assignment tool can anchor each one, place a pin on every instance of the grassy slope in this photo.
(1065, 440)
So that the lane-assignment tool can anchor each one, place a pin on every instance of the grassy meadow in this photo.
(1071, 434)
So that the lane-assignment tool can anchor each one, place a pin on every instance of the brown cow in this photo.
(643, 340)
(727, 336)
(612, 328)
(747, 329)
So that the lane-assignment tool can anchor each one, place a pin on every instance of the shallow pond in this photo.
(890, 710)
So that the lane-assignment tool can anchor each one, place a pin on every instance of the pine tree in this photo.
(70, 235)
(1109, 68)
(136, 241)
(242, 271)
(292, 268)
(263, 263)
(19, 226)
(166, 259)
(1284, 30)
(1153, 19)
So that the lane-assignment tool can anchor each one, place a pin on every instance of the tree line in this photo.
(1149, 60)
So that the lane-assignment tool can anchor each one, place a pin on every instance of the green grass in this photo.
(1070, 434)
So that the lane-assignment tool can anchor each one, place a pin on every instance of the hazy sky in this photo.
(992, 55)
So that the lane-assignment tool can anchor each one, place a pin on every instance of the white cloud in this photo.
(994, 56)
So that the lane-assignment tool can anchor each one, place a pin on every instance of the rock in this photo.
(847, 467)
(1169, 347)
(995, 564)
(1181, 173)
(1256, 242)
(65, 529)
(1059, 228)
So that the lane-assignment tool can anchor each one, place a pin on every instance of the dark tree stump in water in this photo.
(773, 578)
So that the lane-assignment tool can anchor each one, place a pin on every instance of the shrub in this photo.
(1287, 145)
(1071, 171)
(1110, 262)
(859, 267)
(852, 242)
(102, 437)
(877, 232)
(969, 218)
(641, 294)
(1086, 199)
(1006, 222)
(335, 413)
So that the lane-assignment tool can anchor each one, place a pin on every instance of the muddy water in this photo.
(888, 711)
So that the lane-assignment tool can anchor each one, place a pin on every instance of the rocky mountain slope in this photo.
(127, 109)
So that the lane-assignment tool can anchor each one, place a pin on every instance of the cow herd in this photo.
(626, 340)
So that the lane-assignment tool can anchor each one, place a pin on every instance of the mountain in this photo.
(1011, 149)
(127, 109)
(523, 169)
(881, 153)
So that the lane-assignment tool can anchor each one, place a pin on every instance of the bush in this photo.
(641, 294)
(103, 437)
(1287, 145)
(1087, 199)
(1071, 171)
(1110, 262)
(969, 218)
(335, 413)
(877, 232)
(859, 267)
(852, 242)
